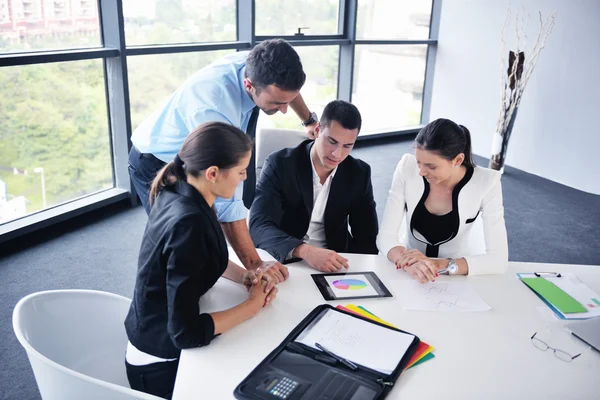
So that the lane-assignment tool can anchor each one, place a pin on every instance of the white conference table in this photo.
(478, 355)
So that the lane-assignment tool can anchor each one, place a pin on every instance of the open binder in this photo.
(297, 370)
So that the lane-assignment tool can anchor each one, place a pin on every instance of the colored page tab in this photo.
(427, 356)
(368, 314)
(421, 352)
(340, 307)
(555, 295)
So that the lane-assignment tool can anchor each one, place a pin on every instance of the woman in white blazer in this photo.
(440, 193)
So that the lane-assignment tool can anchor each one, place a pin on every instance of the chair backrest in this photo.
(76, 342)
(270, 140)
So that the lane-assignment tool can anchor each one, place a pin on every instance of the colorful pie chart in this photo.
(349, 284)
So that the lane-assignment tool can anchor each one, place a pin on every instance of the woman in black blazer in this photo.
(182, 256)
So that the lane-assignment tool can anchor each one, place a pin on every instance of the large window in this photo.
(178, 21)
(54, 142)
(77, 76)
(388, 85)
(390, 60)
(313, 17)
(27, 25)
(393, 19)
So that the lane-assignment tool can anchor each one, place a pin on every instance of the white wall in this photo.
(557, 130)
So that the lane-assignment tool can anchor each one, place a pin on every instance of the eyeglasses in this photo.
(561, 355)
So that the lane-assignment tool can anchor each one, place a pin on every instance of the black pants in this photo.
(142, 170)
(157, 378)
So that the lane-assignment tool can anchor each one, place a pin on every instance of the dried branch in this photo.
(511, 98)
(503, 84)
(514, 78)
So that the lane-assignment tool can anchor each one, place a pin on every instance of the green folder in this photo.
(554, 295)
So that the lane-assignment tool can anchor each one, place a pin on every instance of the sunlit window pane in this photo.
(154, 78)
(393, 19)
(321, 67)
(278, 17)
(54, 141)
(388, 85)
(179, 21)
(43, 25)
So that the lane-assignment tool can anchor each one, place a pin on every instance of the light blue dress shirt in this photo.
(214, 93)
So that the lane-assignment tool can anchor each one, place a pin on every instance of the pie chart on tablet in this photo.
(349, 284)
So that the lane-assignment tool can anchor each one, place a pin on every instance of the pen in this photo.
(347, 363)
(441, 271)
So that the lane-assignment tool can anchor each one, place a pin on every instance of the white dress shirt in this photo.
(315, 236)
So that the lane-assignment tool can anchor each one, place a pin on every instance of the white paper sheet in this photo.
(356, 340)
(350, 285)
(439, 296)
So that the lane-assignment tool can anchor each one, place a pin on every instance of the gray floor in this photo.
(546, 222)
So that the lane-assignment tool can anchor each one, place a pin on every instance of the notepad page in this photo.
(361, 342)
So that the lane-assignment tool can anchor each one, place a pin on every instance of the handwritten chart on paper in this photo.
(354, 285)
(439, 296)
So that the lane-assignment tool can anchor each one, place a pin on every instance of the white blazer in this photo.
(481, 197)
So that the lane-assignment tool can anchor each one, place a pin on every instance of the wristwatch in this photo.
(311, 119)
(452, 266)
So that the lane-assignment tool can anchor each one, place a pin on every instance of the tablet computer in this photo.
(350, 285)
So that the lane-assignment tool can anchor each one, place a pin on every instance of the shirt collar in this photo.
(316, 178)
(247, 103)
(187, 190)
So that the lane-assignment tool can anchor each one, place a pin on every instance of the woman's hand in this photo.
(258, 295)
(252, 277)
(418, 265)
(395, 254)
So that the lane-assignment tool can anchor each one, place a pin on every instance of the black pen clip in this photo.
(555, 274)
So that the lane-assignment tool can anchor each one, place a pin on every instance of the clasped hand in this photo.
(260, 286)
(420, 267)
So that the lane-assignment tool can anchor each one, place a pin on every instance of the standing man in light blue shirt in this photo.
(231, 90)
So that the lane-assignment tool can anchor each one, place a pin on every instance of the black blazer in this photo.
(280, 214)
(183, 254)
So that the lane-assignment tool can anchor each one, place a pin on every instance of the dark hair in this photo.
(275, 62)
(448, 139)
(344, 113)
(211, 144)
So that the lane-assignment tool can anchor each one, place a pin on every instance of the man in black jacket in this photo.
(308, 195)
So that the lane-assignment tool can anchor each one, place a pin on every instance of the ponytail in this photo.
(469, 162)
(167, 176)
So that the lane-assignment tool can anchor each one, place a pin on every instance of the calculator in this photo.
(280, 387)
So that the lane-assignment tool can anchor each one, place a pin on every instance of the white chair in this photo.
(270, 140)
(76, 342)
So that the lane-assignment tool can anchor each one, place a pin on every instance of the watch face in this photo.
(453, 269)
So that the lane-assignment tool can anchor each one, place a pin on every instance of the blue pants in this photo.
(142, 170)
